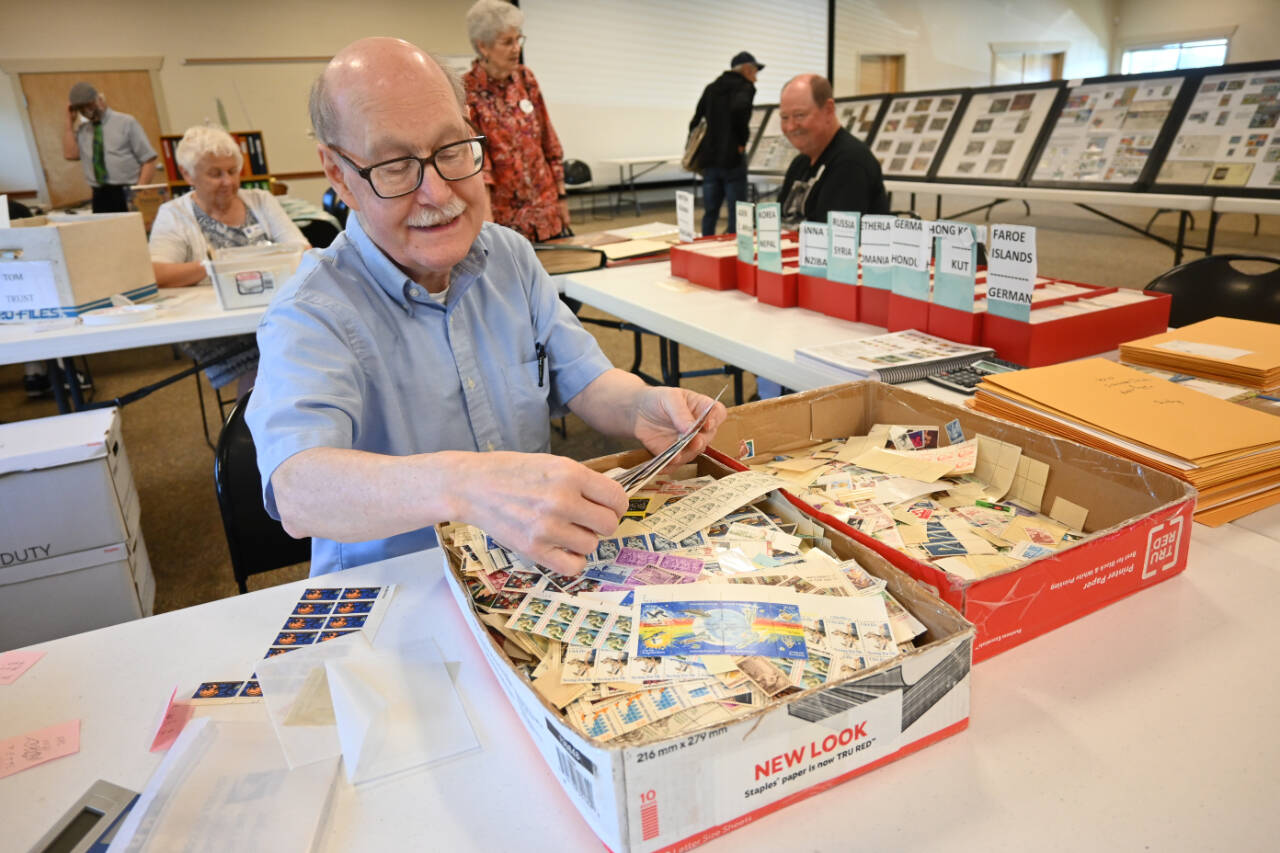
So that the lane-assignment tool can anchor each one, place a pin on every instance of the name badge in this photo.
(526, 105)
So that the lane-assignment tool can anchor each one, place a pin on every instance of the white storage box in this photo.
(65, 486)
(249, 276)
(53, 598)
(63, 266)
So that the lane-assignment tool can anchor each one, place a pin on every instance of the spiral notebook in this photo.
(892, 358)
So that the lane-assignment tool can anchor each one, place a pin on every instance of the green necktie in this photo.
(99, 155)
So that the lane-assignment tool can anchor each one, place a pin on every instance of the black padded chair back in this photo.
(319, 233)
(334, 206)
(257, 541)
(1215, 287)
(576, 172)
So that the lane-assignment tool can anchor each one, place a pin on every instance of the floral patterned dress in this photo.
(526, 163)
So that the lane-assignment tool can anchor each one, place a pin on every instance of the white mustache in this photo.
(429, 217)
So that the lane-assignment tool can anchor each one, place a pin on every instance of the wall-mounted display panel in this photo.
(996, 133)
(914, 130)
(858, 115)
(772, 153)
(1228, 142)
(1109, 132)
(759, 114)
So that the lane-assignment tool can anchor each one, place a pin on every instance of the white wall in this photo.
(949, 43)
(1254, 25)
(268, 97)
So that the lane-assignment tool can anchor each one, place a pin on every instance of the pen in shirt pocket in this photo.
(541, 352)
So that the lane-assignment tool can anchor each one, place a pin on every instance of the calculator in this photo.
(966, 379)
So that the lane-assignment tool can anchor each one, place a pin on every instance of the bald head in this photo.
(808, 114)
(370, 73)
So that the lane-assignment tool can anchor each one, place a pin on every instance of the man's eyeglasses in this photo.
(456, 161)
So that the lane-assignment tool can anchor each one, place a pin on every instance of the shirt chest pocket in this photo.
(528, 386)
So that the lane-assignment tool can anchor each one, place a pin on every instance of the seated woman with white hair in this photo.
(216, 214)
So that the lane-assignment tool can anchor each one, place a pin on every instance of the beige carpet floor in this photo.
(174, 468)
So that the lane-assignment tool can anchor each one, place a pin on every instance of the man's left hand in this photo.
(664, 414)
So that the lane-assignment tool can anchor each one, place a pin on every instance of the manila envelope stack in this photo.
(1230, 453)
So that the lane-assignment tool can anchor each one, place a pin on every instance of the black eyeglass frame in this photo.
(366, 171)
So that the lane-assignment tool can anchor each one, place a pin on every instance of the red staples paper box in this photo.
(1068, 334)
(674, 794)
(1138, 528)
(963, 327)
(906, 313)
(778, 288)
(873, 305)
(833, 298)
(709, 262)
(746, 280)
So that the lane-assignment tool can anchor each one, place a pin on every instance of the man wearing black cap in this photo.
(112, 146)
(726, 104)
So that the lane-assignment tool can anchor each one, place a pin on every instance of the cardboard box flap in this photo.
(59, 440)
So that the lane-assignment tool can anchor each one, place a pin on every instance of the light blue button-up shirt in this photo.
(356, 355)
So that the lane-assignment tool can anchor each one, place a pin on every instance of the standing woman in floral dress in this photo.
(525, 177)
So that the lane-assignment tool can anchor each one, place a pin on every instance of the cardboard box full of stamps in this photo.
(1117, 527)
(674, 793)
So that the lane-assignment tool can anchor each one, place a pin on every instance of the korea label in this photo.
(28, 291)
(911, 251)
(842, 232)
(876, 250)
(953, 272)
(684, 215)
(745, 221)
(769, 236)
(813, 248)
(1011, 271)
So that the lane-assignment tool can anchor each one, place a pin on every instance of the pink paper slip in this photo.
(13, 664)
(23, 751)
(176, 717)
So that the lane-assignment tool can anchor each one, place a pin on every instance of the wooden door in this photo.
(46, 94)
(880, 73)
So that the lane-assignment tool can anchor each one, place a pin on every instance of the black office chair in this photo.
(1215, 287)
(257, 541)
(334, 206)
(320, 232)
(577, 181)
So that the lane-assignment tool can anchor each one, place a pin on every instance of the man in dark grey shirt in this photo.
(112, 147)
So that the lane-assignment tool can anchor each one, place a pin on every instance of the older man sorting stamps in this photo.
(410, 370)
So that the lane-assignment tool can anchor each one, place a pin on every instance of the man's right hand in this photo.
(549, 509)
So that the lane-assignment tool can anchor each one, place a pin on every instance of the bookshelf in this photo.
(253, 175)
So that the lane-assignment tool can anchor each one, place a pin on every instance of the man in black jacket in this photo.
(834, 170)
(726, 103)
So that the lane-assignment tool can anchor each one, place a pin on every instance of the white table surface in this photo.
(728, 325)
(186, 314)
(636, 161)
(1236, 204)
(1147, 725)
(1066, 196)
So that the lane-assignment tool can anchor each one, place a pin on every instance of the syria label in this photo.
(842, 260)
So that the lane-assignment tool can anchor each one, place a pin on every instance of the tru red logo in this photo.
(649, 815)
(1164, 542)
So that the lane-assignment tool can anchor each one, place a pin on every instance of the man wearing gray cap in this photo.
(726, 105)
(112, 146)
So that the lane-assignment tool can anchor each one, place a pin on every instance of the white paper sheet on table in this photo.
(391, 710)
(227, 786)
